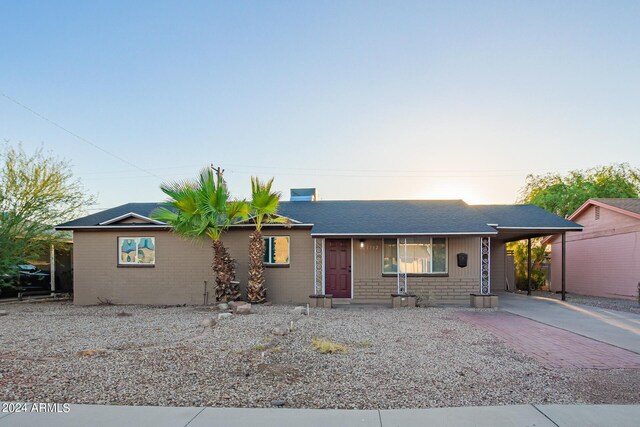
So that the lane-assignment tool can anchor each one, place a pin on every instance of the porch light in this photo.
(362, 243)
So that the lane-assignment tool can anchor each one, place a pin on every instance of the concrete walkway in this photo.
(617, 328)
(488, 416)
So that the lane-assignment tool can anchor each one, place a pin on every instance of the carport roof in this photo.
(373, 217)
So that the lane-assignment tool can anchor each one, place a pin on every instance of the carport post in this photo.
(564, 262)
(52, 268)
(529, 266)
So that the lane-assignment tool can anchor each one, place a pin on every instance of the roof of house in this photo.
(373, 217)
(631, 205)
(522, 216)
(627, 206)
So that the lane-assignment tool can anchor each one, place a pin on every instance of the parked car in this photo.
(30, 279)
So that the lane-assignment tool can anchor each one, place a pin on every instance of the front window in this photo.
(276, 250)
(421, 255)
(136, 250)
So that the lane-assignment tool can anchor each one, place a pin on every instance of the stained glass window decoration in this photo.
(136, 250)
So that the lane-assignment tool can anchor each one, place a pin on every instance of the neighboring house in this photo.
(361, 251)
(603, 260)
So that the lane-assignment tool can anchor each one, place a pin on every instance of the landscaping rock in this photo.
(223, 306)
(164, 359)
(280, 331)
(90, 353)
(242, 308)
(209, 322)
(222, 316)
(3, 313)
(278, 403)
(300, 311)
(245, 309)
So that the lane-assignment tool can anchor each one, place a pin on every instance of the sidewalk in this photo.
(488, 416)
(617, 328)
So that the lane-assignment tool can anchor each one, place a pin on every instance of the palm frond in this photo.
(264, 202)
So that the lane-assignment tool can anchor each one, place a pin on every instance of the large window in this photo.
(136, 250)
(422, 255)
(276, 250)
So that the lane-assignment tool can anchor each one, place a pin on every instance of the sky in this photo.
(361, 100)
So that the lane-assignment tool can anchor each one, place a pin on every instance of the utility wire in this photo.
(75, 135)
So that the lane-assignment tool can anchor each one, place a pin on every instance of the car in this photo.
(32, 279)
(29, 279)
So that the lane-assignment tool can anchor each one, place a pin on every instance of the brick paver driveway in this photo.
(552, 347)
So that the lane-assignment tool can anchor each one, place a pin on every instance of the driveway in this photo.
(620, 329)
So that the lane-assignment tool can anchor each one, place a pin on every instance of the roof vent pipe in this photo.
(304, 195)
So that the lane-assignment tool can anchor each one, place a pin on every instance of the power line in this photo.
(353, 172)
(75, 135)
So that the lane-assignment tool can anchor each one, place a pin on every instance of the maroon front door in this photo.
(337, 259)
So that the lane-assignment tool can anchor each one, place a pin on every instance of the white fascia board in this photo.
(458, 233)
(113, 227)
(298, 225)
(130, 215)
(251, 217)
(542, 228)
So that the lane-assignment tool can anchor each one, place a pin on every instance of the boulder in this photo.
(280, 331)
(222, 316)
(300, 311)
(242, 309)
(223, 306)
(278, 403)
(209, 322)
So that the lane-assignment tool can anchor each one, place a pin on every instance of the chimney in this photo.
(304, 195)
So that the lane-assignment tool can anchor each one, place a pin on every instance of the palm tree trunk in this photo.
(256, 292)
(225, 269)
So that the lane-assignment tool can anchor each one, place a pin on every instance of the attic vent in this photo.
(304, 195)
(597, 213)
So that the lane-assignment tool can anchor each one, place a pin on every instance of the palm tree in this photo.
(204, 209)
(263, 209)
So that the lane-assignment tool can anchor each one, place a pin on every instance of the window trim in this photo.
(430, 274)
(268, 248)
(121, 264)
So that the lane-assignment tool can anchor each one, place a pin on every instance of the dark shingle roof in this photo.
(387, 217)
(631, 205)
(523, 216)
(401, 217)
(95, 219)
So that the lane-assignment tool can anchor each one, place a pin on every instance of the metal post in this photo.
(52, 268)
(564, 264)
(405, 263)
(397, 263)
(529, 266)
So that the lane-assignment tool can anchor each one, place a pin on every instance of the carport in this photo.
(522, 222)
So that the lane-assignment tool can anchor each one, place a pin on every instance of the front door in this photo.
(338, 267)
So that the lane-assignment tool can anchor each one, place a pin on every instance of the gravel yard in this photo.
(404, 358)
(630, 306)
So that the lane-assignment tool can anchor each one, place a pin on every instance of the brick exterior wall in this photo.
(181, 268)
(437, 289)
(370, 285)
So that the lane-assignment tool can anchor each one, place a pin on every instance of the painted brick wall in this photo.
(439, 289)
(369, 285)
(181, 268)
